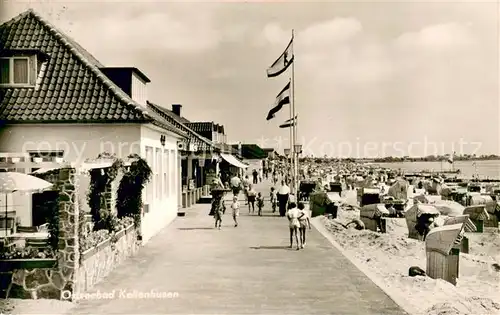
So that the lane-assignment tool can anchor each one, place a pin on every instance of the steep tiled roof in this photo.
(182, 119)
(70, 87)
(203, 143)
(201, 126)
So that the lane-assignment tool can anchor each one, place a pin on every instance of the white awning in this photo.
(233, 160)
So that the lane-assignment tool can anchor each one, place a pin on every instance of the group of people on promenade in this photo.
(298, 217)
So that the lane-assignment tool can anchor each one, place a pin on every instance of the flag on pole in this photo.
(283, 98)
(450, 158)
(288, 123)
(282, 63)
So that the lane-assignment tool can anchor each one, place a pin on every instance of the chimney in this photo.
(176, 109)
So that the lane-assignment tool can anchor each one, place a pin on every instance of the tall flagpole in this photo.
(290, 162)
(294, 124)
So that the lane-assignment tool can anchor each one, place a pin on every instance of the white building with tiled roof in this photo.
(57, 100)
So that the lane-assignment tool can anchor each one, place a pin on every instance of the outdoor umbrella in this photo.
(11, 182)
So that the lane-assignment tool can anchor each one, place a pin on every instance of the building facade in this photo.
(58, 101)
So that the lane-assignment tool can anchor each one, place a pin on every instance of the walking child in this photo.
(218, 207)
(236, 210)
(304, 223)
(274, 198)
(260, 203)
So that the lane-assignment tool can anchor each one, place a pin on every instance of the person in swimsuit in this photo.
(294, 215)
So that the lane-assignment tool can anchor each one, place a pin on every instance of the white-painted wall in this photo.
(139, 90)
(81, 142)
(78, 142)
(161, 192)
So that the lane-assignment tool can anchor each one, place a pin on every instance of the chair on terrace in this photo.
(27, 229)
(36, 243)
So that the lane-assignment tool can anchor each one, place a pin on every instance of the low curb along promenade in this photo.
(192, 268)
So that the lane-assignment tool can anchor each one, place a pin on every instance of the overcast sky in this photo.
(371, 78)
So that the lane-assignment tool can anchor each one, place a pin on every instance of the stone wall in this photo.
(98, 262)
(65, 277)
(51, 282)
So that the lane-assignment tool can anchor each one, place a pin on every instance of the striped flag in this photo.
(282, 63)
(288, 123)
(283, 98)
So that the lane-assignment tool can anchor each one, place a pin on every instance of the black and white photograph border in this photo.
(362, 136)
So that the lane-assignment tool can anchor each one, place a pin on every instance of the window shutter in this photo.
(21, 71)
(33, 73)
(4, 70)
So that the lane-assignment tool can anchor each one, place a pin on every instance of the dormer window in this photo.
(18, 70)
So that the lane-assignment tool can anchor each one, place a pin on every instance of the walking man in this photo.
(255, 175)
(235, 185)
(283, 195)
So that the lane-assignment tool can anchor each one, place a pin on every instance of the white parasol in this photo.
(12, 181)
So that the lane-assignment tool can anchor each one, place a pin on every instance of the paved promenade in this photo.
(243, 270)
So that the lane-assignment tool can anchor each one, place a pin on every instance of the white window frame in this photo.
(158, 170)
(171, 173)
(11, 70)
(149, 189)
(167, 161)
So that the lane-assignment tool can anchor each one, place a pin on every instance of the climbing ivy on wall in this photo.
(100, 179)
(52, 207)
(129, 197)
(96, 188)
